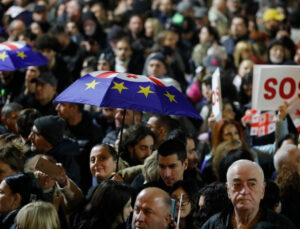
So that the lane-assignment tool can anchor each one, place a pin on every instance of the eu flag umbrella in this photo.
(18, 55)
(127, 91)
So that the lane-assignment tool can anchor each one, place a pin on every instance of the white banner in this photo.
(216, 95)
(274, 84)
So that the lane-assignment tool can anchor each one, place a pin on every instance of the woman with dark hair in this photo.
(188, 190)
(208, 36)
(15, 191)
(213, 199)
(110, 206)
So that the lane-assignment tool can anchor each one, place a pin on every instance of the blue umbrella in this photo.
(18, 55)
(128, 91)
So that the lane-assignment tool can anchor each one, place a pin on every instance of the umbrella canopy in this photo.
(128, 91)
(17, 55)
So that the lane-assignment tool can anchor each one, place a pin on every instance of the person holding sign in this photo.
(188, 190)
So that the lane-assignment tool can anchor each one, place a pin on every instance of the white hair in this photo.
(282, 155)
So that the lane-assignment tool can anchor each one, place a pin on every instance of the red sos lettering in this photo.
(215, 96)
(270, 87)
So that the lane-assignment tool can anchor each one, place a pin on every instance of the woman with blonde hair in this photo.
(38, 215)
(152, 27)
(243, 50)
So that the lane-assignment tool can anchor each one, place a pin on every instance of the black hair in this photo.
(215, 200)
(177, 134)
(27, 33)
(24, 185)
(47, 41)
(189, 186)
(173, 146)
(213, 32)
(110, 149)
(25, 121)
(58, 29)
(167, 122)
(106, 204)
(229, 159)
(271, 198)
(134, 134)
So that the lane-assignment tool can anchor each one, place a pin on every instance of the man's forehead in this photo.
(244, 172)
(173, 158)
(147, 201)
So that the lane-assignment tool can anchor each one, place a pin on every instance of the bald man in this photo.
(287, 156)
(246, 188)
(152, 209)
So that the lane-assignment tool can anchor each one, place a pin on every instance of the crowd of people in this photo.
(67, 165)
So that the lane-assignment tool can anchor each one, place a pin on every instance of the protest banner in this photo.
(274, 84)
(216, 95)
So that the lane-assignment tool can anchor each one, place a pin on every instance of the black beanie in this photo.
(51, 128)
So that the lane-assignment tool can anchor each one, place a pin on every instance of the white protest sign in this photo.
(274, 84)
(216, 95)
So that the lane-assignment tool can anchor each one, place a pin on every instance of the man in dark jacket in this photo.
(245, 188)
(47, 138)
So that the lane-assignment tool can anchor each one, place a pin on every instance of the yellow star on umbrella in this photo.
(171, 97)
(119, 86)
(91, 85)
(145, 90)
(21, 55)
(3, 56)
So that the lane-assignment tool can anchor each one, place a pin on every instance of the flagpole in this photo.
(120, 142)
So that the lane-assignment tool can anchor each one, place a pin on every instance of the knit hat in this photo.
(160, 57)
(116, 32)
(51, 128)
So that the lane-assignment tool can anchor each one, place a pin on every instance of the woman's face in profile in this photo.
(8, 201)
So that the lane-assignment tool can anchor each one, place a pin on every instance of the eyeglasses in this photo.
(35, 133)
(185, 200)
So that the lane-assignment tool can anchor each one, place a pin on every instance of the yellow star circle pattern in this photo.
(3, 56)
(171, 97)
(91, 85)
(145, 90)
(119, 86)
(21, 55)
